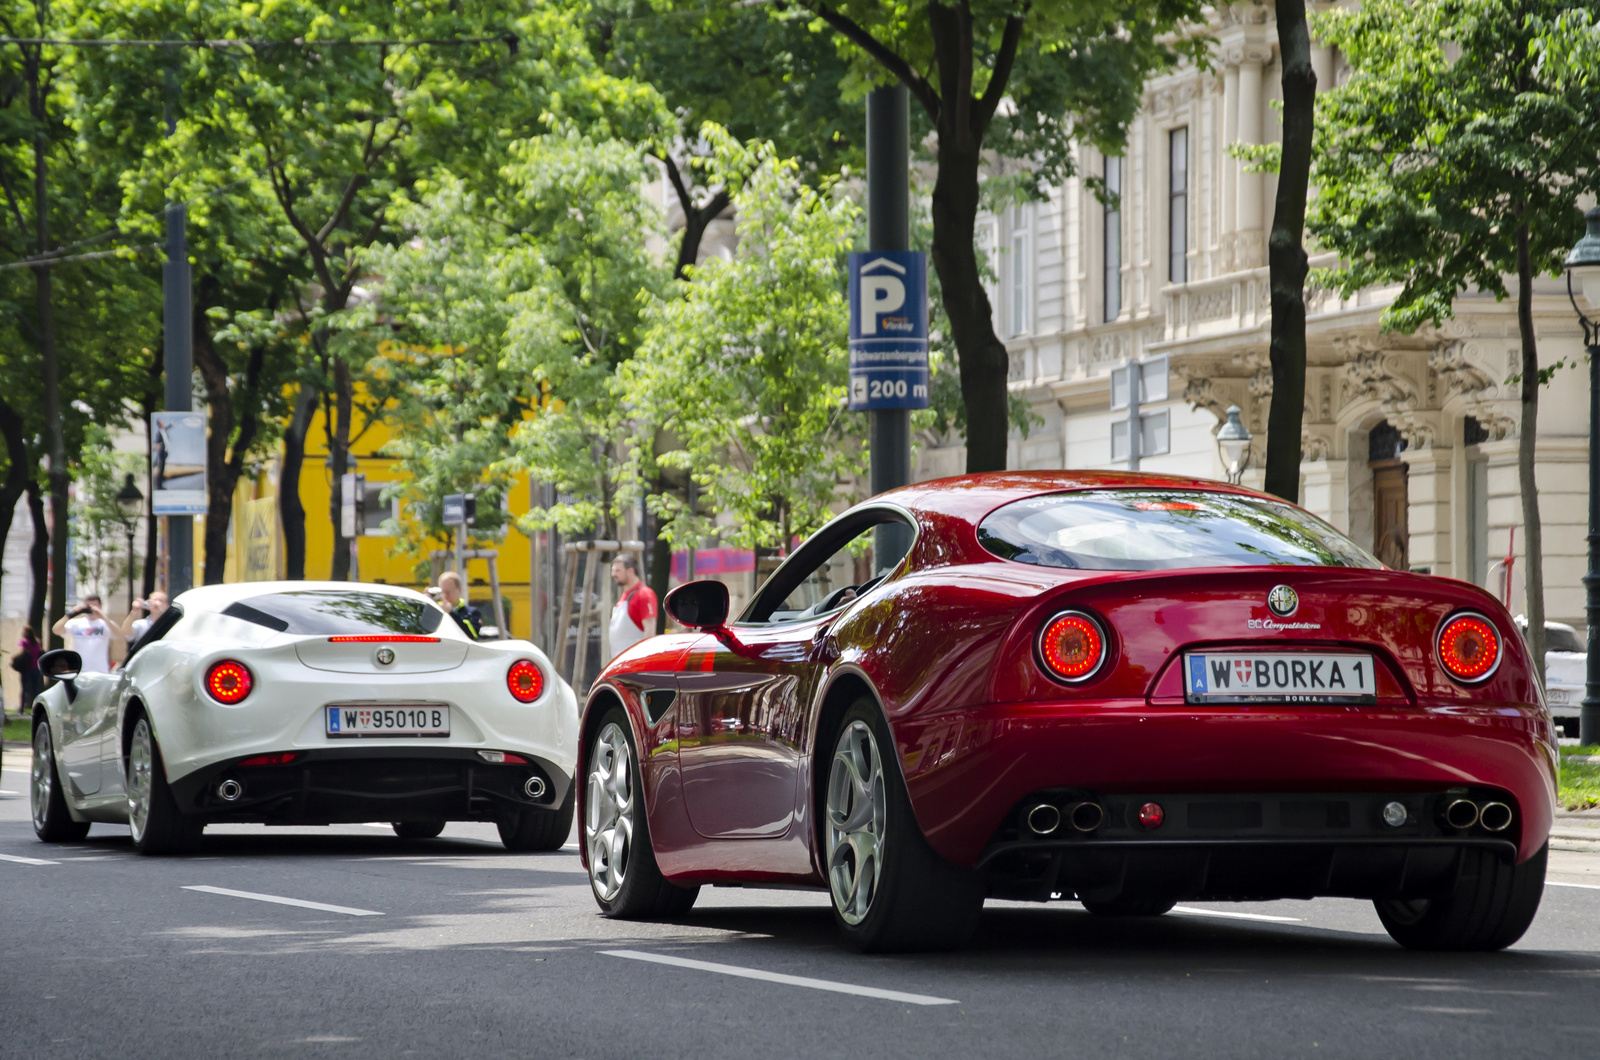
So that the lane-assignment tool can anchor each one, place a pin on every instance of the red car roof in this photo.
(973, 496)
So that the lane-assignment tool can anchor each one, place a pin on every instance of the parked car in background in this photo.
(1565, 666)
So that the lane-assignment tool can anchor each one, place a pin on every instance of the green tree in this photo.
(1071, 71)
(748, 369)
(1451, 159)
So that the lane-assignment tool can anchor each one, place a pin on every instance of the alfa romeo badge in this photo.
(1283, 601)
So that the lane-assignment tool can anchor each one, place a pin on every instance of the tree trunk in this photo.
(59, 479)
(660, 559)
(17, 470)
(38, 556)
(1527, 440)
(152, 538)
(339, 452)
(219, 406)
(290, 511)
(984, 363)
(1286, 255)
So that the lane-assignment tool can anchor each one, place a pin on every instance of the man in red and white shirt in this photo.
(634, 617)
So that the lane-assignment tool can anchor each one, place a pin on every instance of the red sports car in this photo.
(1125, 689)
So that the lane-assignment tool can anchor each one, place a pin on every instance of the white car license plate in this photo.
(1252, 677)
(425, 720)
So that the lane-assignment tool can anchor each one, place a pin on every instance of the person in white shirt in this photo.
(136, 625)
(88, 632)
(634, 616)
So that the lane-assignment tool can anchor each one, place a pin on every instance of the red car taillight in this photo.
(384, 638)
(1469, 647)
(228, 682)
(525, 681)
(1072, 646)
(282, 759)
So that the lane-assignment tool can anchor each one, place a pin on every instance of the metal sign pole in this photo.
(178, 354)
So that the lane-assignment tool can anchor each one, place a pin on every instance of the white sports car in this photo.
(306, 703)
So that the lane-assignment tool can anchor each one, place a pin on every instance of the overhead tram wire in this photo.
(511, 40)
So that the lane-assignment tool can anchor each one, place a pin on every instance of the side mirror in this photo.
(699, 605)
(61, 664)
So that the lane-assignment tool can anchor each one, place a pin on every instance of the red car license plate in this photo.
(1277, 677)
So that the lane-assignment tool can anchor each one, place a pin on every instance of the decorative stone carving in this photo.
(1456, 366)
(1110, 347)
(1373, 374)
(1213, 305)
(1314, 446)
(1261, 384)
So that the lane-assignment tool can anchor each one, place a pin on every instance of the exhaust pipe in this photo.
(534, 787)
(1495, 816)
(1086, 816)
(230, 790)
(1462, 813)
(1044, 819)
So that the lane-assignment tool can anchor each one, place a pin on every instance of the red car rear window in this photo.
(1164, 529)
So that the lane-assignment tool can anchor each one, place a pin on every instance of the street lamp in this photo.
(1233, 441)
(131, 501)
(1583, 265)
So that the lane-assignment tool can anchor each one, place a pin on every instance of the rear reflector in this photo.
(1469, 647)
(1151, 815)
(385, 638)
(228, 682)
(1072, 646)
(525, 680)
(502, 758)
(271, 760)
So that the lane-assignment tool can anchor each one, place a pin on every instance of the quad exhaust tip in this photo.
(1495, 816)
(230, 790)
(1086, 816)
(1462, 813)
(1044, 819)
(534, 787)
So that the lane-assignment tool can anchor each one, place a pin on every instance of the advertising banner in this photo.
(258, 556)
(178, 463)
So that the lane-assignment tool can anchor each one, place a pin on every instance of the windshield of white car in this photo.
(337, 612)
(1164, 530)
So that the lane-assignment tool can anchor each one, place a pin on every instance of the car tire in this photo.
(52, 821)
(623, 874)
(1129, 906)
(1489, 908)
(153, 817)
(531, 831)
(417, 829)
(891, 891)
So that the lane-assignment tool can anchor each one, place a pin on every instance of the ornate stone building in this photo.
(1409, 441)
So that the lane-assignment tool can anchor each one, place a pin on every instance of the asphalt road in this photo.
(468, 951)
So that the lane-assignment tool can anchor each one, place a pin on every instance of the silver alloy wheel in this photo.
(141, 761)
(608, 812)
(857, 812)
(43, 775)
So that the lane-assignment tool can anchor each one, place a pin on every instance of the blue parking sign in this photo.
(889, 330)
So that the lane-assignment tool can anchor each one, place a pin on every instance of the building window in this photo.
(1019, 271)
(1178, 206)
(988, 240)
(1112, 239)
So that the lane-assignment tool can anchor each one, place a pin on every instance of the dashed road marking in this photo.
(1264, 918)
(1584, 886)
(279, 900)
(779, 977)
(26, 861)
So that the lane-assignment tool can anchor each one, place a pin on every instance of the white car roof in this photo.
(211, 598)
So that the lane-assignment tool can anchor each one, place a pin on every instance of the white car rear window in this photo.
(337, 612)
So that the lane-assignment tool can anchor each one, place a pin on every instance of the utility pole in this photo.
(889, 228)
(178, 350)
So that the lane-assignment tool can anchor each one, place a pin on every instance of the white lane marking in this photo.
(277, 900)
(5, 792)
(779, 977)
(26, 861)
(1585, 886)
(374, 824)
(1238, 916)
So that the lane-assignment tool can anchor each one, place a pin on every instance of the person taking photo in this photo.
(88, 632)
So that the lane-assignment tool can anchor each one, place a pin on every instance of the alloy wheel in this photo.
(608, 812)
(43, 775)
(140, 764)
(857, 815)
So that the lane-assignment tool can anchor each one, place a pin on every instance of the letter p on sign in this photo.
(879, 295)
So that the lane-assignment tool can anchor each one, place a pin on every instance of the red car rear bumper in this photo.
(968, 769)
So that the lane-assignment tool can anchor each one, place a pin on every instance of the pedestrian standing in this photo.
(141, 615)
(88, 632)
(26, 663)
(634, 616)
(469, 618)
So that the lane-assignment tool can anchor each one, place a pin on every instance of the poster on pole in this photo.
(178, 463)
(888, 330)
